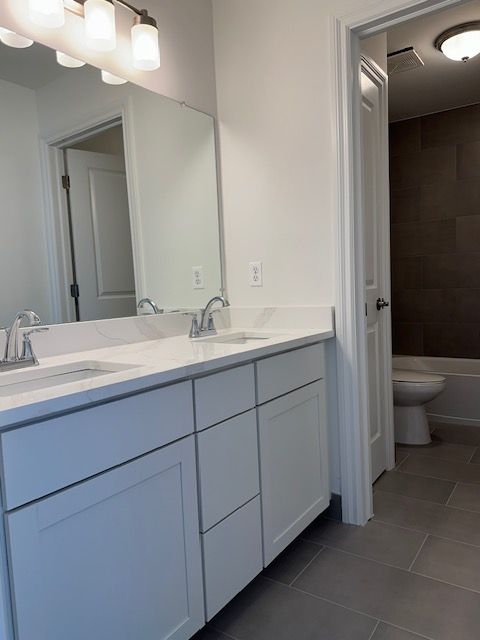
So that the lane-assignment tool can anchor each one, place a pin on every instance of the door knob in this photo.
(382, 303)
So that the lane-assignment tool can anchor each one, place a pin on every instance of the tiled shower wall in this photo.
(435, 232)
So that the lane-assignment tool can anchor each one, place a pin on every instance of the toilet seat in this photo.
(416, 377)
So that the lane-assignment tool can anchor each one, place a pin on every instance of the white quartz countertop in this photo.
(152, 363)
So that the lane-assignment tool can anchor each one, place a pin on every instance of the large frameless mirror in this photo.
(108, 195)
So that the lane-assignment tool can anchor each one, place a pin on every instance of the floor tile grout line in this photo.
(307, 565)
(451, 495)
(374, 630)
(401, 462)
(418, 552)
(449, 584)
(438, 504)
(314, 595)
(227, 635)
(472, 456)
(409, 473)
(395, 626)
(434, 535)
(403, 495)
(359, 555)
(362, 613)
(424, 454)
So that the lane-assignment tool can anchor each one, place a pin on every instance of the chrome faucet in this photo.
(148, 301)
(206, 327)
(11, 358)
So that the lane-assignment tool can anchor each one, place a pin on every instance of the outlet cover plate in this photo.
(197, 278)
(255, 274)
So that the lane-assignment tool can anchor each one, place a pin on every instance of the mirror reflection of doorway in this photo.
(103, 278)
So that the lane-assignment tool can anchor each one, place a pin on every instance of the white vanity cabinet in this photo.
(228, 479)
(117, 555)
(293, 445)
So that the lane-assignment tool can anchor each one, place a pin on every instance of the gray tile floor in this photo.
(413, 572)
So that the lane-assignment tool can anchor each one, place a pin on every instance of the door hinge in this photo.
(74, 290)
(66, 182)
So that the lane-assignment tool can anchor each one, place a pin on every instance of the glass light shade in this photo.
(68, 61)
(146, 50)
(110, 78)
(12, 39)
(462, 46)
(47, 13)
(100, 29)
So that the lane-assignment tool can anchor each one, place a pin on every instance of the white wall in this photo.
(23, 258)
(186, 41)
(275, 115)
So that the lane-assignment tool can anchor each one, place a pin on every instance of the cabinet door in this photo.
(293, 465)
(115, 557)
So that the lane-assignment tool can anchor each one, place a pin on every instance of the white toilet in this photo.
(411, 391)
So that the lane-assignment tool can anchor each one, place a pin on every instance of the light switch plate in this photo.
(255, 274)
(197, 278)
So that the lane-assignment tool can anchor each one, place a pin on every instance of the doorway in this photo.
(88, 178)
(352, 359)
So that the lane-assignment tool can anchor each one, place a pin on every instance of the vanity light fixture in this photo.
(12, 39)
(100, 29)
(460, 43)
(69, 62)
(110, 78)
(47, 13)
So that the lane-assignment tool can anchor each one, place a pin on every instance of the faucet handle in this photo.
(27, 334)
(27, 349)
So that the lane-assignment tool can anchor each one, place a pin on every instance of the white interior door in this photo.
(377, 264)
(101, 235)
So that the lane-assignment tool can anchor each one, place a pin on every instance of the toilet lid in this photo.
(405, 375)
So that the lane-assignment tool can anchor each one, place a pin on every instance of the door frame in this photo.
(55, 205)
(352, 371)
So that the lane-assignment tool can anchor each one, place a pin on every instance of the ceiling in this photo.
(442, 83)
(33, 67)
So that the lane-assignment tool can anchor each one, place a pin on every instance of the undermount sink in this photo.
(244, 337)
(32, 379)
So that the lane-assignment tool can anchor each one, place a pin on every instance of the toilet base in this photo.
(411, 425)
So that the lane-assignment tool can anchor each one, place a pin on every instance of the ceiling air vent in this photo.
(404, 60)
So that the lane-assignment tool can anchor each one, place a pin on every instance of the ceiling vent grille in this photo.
(404, 60)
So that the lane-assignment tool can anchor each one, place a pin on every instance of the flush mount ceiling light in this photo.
(100, 28)
(460, 43)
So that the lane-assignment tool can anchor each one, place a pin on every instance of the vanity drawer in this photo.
(227, 467)
(232, 556)
(41, 458)
(281, 374)
(223, 395)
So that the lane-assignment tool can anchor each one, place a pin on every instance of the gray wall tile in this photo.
(435, 234)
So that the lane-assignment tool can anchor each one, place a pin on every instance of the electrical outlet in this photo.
(197, 278)
(255, 274)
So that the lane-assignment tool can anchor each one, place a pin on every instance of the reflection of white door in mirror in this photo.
(101, 235)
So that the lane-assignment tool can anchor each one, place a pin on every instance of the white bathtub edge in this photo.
(453, 420)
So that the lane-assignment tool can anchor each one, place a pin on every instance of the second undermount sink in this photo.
(26, 380)
(242, 337)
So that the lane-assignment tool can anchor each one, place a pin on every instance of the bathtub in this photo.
(460, 402)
